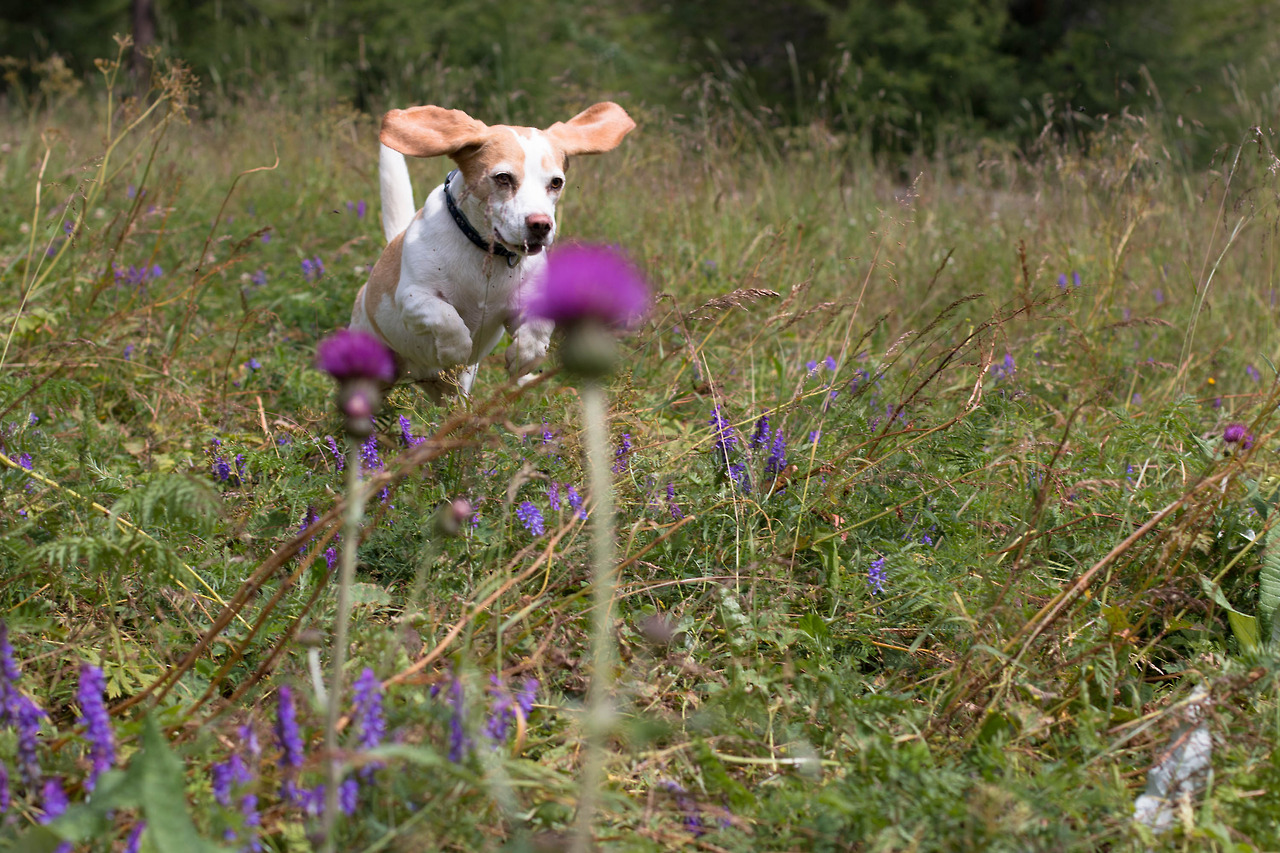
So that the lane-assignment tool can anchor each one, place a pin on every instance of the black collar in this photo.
(493, 247)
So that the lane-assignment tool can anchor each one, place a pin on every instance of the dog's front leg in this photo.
(529, 341)
(438, 331)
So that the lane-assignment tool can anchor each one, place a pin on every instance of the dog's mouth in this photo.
(528, 247)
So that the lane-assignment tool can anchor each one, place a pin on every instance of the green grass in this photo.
(985, 698)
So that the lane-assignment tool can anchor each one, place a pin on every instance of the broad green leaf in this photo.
(1245, 627)
(1269, 578)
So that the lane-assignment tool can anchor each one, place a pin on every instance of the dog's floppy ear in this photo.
(593, 131)
(430, 131)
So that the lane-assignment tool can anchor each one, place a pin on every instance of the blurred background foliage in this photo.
(913, 76)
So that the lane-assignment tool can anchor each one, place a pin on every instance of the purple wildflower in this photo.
(224, 774)
(259, 278)
(312, 268)
(875, 576)
(24, 459)
(361, 209)
(811, 367)
(352, 354)
(814, 435)
(676, 512)
(1075, 278)
(26, 716)
(760, 437)
(6, 796)
(1004, 370)
(55, 799)
(621, 458)
(253, 364)
(1252, 373)
(367, 698)
(589, 283)
(689, 806)
(1237, 433)
(1062, 280)
(458, 740)
(406, 433)
(338, 458)
(830, 362)
(531, 518)
(128, 352)
(288, 736)
(97, 723)
(500, 713)
(575, 502)
(135, 837)
(777, 461)
(1159, 295)
(553, 496)
(725, 439)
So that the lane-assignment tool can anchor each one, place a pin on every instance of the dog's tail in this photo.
(397, 192)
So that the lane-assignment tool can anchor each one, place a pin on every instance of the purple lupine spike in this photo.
(676, 512)
(134, 841)
(27, 717)
(6, 796)
(458, 740)
(367, 698)
(553, 496)
(531, 517)
(875, 576)
(288, 737)
(725, 439)
(777, 461)
(97, 723)
(500, 712)
(337, 454)
(760, 437)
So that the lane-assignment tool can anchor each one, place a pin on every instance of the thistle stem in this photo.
(596, 427)
(346, 573)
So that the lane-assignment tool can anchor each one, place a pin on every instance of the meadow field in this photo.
(944, 493)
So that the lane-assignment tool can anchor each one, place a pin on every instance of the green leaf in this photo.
(162, 789)
(1244, 626)
(1269, 579)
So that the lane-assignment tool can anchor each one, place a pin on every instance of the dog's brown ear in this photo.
(593, 131)
(430, 131)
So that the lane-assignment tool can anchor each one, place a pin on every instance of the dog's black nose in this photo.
(539, 225)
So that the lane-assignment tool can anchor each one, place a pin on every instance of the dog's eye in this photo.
(557, 183)
(504, 179)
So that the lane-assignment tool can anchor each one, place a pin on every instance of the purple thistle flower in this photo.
(1233, 433)
(553, 496)
(575, 502)
(589, 283)
(352, 354)
(875, 576)
(135, 837)
(760, 437)
(97, 723)
(621, 459)
(287, 734)
(777, 461)
(531, 518)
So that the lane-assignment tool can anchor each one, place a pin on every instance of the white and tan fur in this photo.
(437, 299)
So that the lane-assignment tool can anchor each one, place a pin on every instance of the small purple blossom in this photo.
(1062, 280)
(353, 354)
(361, 209)
(367, 698)
(253, 364)
(575, 502)
(760, 437)
(134, 842)
(725, 439)
(128, 352)
(811, 366)
(531, 518)
(875, 576)
(676, 512)
(312, 268)
(54, 799)
(459, 743)
(1004, 370)
(97, 723)
(1252, 373)
(338, 457)
(406, 433)
(777, 461)
(1075, 278)
(1238, 433)
(288, 737)
(553, 496)
(26, 718)
(259, 278)
(830, 362)
(6, 796)
(589, 283)
(621, 457)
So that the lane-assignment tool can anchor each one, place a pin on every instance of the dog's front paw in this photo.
(528, 347)
(453, 345)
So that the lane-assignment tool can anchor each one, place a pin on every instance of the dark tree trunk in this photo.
(144, 35)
